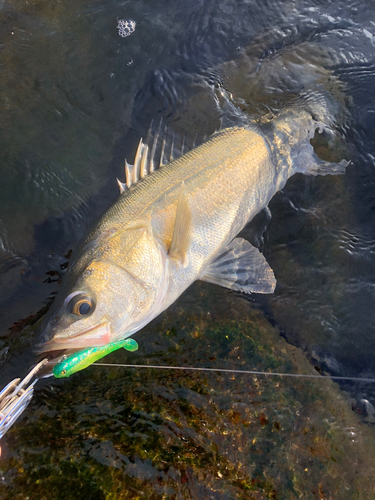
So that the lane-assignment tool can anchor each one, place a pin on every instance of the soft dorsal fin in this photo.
(160, 147)
(241, 267)
(182, 227)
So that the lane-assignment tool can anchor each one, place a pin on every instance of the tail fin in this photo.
(291, 135)
(292, 96)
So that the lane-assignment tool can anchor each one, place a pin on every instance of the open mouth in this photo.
(60, 345)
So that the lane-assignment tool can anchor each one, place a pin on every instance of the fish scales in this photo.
(226, 181)
(175, 226)
(222, 156)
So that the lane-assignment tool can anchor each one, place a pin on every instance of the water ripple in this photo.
(356, 243)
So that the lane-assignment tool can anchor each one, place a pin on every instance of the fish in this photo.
(176, 221)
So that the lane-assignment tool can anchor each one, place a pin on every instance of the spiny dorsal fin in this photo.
(128, 170)
(195, 140)
(121, 185)
(144, 166)
(183, 145)
(153, 149)
(181, 232)
(162, 158)
(137, 162)
(160, 147)
(172, 148)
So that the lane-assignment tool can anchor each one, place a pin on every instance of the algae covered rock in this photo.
(118, 433)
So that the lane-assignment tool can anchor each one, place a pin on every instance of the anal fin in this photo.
(241, 267)
(181, 232)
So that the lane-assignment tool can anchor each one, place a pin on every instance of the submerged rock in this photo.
(146, 433)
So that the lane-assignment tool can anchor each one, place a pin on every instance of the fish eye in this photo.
(79, 304)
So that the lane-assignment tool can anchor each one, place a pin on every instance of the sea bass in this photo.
(176, 224)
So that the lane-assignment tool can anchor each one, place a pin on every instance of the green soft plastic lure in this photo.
(82, 359)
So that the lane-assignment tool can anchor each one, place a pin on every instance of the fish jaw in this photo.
(95, 336)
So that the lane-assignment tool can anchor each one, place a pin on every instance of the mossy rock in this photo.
(117, 433)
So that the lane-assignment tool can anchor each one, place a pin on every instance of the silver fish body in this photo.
(176, 225)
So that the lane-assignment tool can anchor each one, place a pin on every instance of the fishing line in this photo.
(241, 372)
(15, 397)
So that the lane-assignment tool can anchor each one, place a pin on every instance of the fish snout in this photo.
(94, 336)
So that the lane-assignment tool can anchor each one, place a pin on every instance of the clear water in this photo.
(75, 97)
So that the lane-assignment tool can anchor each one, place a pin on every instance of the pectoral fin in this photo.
(181, 232)
(241, 267)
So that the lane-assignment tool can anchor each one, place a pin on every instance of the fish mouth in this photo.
(95, 336)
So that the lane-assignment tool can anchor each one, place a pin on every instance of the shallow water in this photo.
(75, 99)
